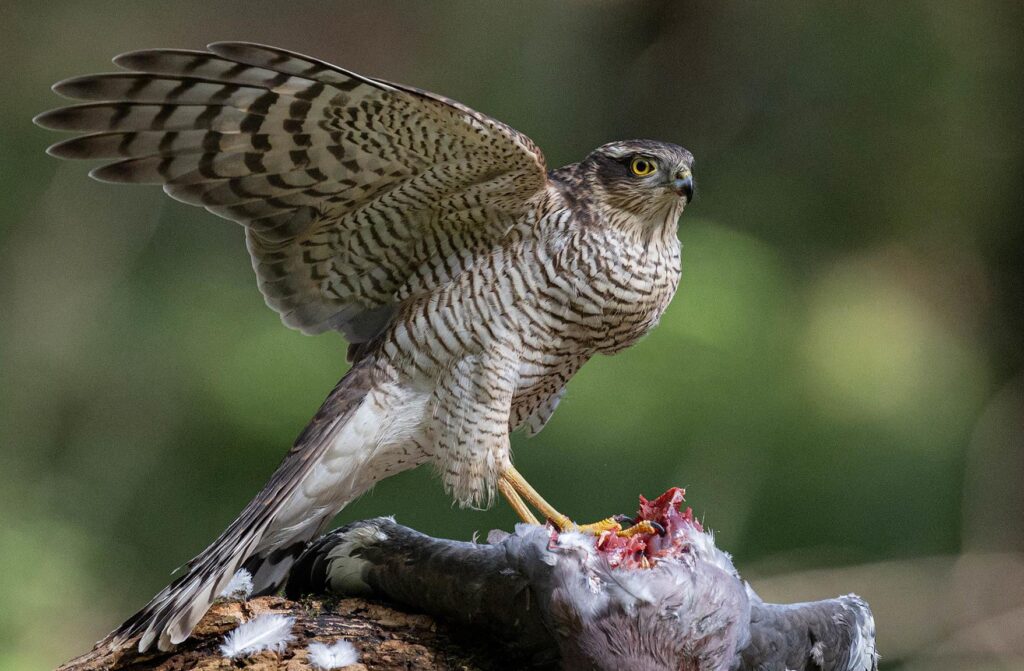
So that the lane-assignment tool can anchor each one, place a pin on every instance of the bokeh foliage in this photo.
(837, 383)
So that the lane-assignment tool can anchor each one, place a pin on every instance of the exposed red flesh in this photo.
(643, 550)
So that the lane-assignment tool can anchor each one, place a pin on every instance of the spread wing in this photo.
(354, 192)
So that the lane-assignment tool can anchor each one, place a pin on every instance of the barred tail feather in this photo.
(266, 537)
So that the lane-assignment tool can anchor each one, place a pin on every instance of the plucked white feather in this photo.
(337, 655)
(266, 632)
(239, 588)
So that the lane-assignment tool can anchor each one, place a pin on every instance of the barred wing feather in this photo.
(350, 189)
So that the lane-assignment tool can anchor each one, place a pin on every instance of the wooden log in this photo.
(387, 638)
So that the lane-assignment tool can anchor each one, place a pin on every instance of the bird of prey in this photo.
(470, 281)
(591, 605)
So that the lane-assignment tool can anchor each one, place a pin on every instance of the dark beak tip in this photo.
(684, 187)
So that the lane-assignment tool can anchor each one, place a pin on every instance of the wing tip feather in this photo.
(70, 149)
(55, 119)
(82, 87)
(109, 173)
(235, 49)
(141, 60)
(120, 172)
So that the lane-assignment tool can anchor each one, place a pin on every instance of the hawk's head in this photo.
(645, 178)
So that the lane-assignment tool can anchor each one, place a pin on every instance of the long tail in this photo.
(258, 539)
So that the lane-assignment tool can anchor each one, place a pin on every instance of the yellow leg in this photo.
(514, 487)
(518, 483)
(512, 484)
(643, 527)
(517, 503)
(596, 528)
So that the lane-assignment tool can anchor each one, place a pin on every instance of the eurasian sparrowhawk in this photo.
(470, 282)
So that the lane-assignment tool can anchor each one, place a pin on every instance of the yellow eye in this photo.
(641, 167)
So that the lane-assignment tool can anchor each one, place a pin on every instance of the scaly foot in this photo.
(644, 527)
(518, 492)
(514, 487)
(598, 528)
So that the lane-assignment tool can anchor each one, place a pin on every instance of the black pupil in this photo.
(641, 166)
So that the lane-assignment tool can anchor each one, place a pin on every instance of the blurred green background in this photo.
(838, 383)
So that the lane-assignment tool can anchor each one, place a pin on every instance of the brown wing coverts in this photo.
(350, 189)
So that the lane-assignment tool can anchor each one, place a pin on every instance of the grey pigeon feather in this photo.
(550, 596)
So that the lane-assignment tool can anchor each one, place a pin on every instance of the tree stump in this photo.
(387, 638)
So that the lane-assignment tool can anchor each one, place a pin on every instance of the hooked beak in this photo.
(683, 185)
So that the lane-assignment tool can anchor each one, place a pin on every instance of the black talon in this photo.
(657, 527)
(625, 520)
